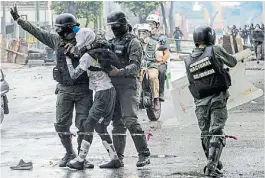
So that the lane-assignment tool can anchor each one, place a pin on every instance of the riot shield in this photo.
(241, 91)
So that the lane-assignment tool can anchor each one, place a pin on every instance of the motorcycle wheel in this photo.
(153, 115)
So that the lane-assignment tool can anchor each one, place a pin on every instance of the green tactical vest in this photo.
(150, 54)
(120, 48)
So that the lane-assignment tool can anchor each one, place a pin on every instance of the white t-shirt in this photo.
(98, 80)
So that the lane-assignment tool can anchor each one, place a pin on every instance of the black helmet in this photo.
(204, 34)
(66, 20)
(117, 17)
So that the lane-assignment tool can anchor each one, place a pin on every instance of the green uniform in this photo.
(211, 111)
(68, 97)
(127, 100)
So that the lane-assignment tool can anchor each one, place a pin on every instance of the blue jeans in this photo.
(178, 45)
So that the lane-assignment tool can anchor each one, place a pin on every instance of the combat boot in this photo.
(115, 162)
(143, 160)
(78, 162)
(119, 142)
(66, 140)
(210, 171)
(140, 143)
(67, 157)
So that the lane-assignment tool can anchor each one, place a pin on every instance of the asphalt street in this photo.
(28, 133)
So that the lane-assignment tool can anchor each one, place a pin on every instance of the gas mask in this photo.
(143, 36)
(119, 29)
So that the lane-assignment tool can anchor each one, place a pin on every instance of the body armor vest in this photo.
(206, 78)
(150, 49)
(61, 73)
(120, 48)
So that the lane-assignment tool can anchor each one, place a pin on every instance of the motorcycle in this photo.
(146, 97)
(4, 101)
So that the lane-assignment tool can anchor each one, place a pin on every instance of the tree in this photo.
(164, 17)
(140, 9)
(171, 18)
(89, 10)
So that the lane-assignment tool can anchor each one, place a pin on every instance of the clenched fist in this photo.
(14, 13)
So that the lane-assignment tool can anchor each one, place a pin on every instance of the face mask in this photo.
(120, 30)
(143, 36)
(64, 32)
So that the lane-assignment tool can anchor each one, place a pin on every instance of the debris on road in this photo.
(22, 165)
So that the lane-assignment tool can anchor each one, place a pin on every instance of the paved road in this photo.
(27, 133)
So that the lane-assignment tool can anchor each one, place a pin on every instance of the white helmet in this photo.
(144, 27)
(153, 18)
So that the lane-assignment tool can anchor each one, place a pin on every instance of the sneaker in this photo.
(67, 157)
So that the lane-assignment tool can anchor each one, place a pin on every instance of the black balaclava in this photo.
(119, 31)
(65, 32)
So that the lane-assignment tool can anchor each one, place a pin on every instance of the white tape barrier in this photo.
(241, 91)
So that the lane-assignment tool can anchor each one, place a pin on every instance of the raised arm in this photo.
(50, 39)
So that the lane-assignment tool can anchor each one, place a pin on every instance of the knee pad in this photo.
(118, 128)
(135, 128)
(63, 130)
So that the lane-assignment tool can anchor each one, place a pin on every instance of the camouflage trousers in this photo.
(212, 117)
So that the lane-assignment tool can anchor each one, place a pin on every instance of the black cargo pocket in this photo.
(57, 75)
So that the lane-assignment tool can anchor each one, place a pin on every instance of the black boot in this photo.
(205, 145)
(115, 163)
(67, 158)
(143, 160)
(119, 142)
(212, 172)
(141, 146)
(66, 139)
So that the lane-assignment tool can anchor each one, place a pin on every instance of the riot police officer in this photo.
(70, 93)
(125, 80)
(208, 84)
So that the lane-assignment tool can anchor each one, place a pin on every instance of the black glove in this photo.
(72, 51)
(14, 13)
